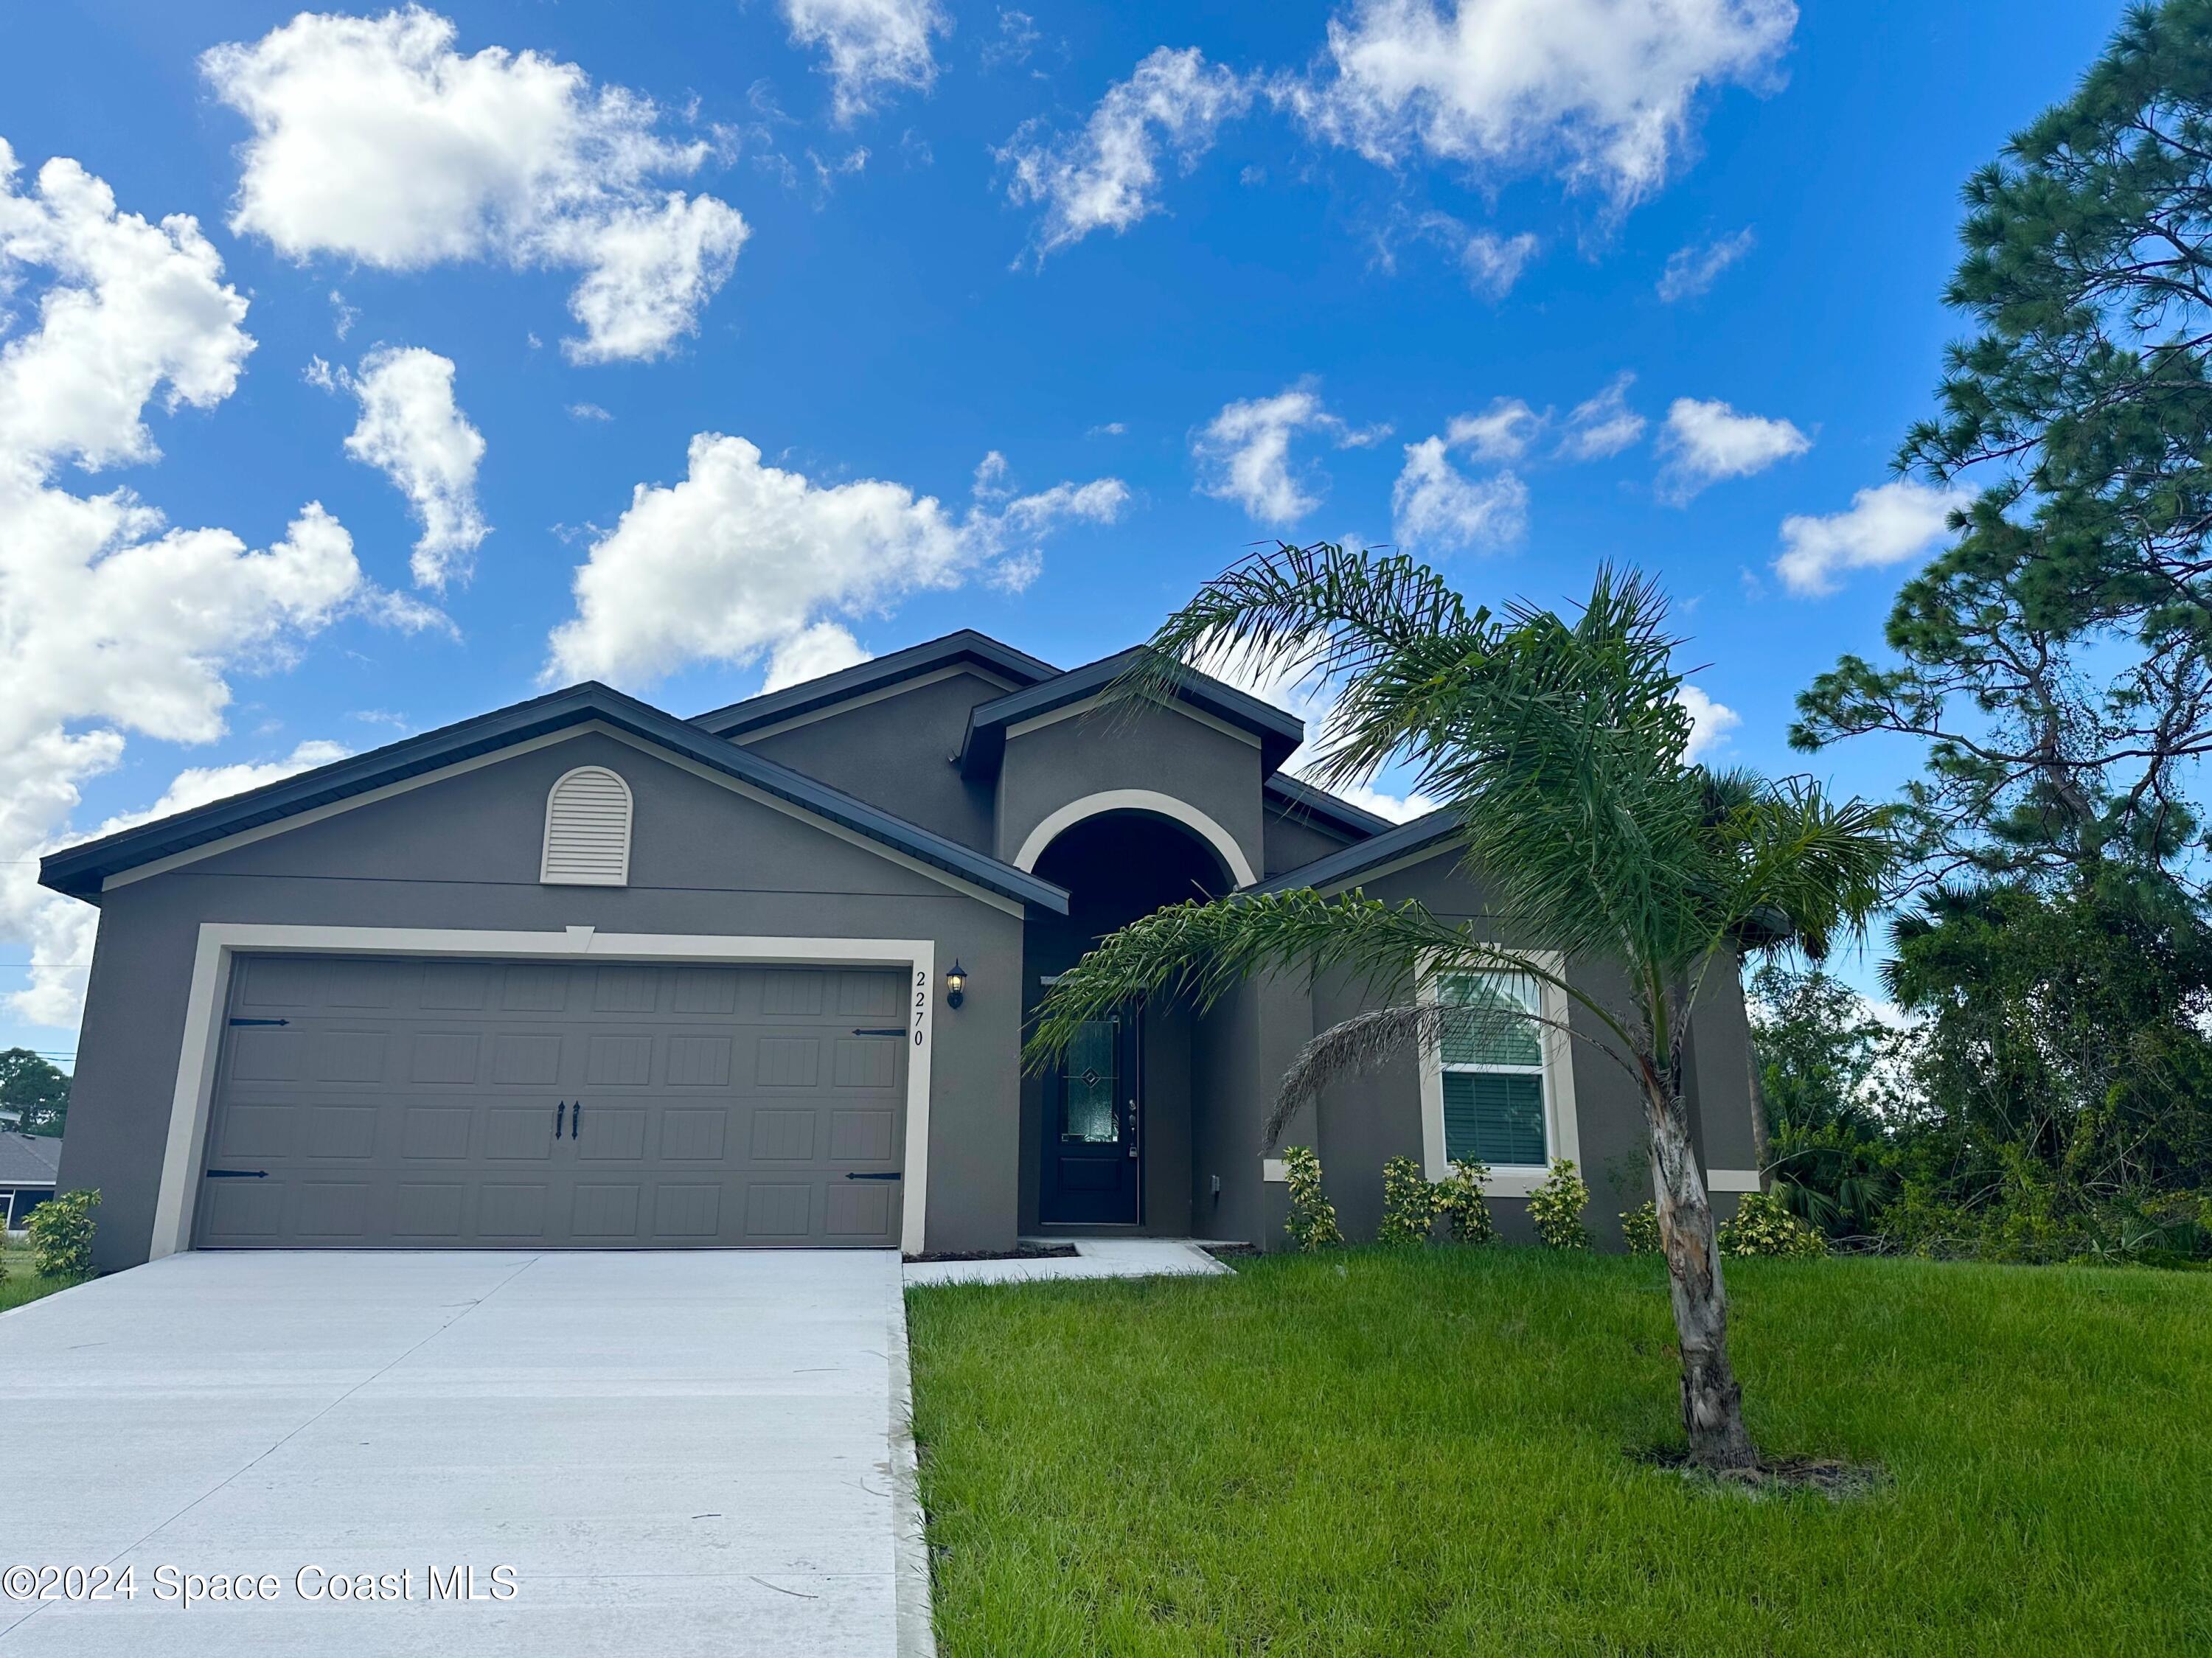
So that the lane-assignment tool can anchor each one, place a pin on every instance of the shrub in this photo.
(1408, 1206)
(1639, 1229)
(1556, 1207)
(1313, 1223)
(1762, 1226)
(1458, 1198)
(61, 1235)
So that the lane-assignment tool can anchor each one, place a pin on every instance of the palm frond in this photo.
(1199, 951)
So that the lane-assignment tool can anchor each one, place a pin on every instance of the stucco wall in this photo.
(1365, 1120)
(1123, 748)
(463, 853)
(898, 753)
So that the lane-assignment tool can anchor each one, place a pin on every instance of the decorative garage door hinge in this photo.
(261, 1022)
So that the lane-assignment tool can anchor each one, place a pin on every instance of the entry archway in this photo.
(1145, 800)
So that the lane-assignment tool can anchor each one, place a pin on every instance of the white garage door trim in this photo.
(219, 941)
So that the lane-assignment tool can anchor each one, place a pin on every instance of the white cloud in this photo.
(1492, 262)
(202, 786)
(1107, 176)
(375, 140)
(1503, 431)
(1398, 808)
(1243, 455)
(1690, 270)
(811, 652)
(589, 412)
(413, 432)
(343, 316)
(1886, 524)
(1434, 505)
(1604, 425)
(1600, 91)
(1705, 442)
(1710, 722)
(110, 621)
(871, 45)
(741, 559)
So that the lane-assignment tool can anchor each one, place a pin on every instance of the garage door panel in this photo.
(415, 1105)
(694, 1133)
(616, 1134)
(513, 1133)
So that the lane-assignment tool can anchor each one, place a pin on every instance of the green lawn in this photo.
(18, 1285)
(1426, 1454)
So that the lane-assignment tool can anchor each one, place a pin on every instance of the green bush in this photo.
(1639, 1229)
(61, 1235)
(1408, 1206)
(1556, 1207)
(1762, 1226)
(1458, 1198)
(1312, 1225)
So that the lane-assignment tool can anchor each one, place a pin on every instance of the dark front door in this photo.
(1093, 1170)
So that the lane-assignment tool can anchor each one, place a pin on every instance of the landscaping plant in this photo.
(61, 1231)
(1561, 746)
(1409, 1203)
(1312, 1225)
(1639, 1229)
(1458, 1197)
(1555, 1207)
(1762, 1226)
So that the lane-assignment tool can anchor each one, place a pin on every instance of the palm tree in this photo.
(1561, 747)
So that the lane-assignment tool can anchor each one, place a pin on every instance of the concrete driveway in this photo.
(670, 1454)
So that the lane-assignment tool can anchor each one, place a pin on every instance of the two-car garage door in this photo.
(400, 1103)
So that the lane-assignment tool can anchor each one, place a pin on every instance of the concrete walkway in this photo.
(674, 1454)
(1093, 1258)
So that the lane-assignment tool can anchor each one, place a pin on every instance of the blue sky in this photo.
(1194, 280)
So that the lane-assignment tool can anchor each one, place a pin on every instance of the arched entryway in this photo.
(1108, 1129)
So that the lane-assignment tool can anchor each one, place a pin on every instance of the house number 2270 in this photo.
(921, 1001)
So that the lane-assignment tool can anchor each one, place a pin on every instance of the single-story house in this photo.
(29, 1166)
(582, 973)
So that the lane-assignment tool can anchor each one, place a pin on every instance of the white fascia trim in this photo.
(1165, 806)
(1074, 710)
(1562, 1131)
(589, 728)
(210, 995)
(881, 694)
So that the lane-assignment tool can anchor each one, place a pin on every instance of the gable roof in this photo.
(1301, 799)
(79, 871)
(1343, 868)
(28, 1159)
(966, 645)
(985, 744)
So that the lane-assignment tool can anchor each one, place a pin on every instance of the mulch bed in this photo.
(1020, 1252)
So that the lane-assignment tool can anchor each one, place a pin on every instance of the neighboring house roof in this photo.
(1343, 869)
(985, 744)
(966, 646)
(1302, 799)
(79, 871)
(29, 1159)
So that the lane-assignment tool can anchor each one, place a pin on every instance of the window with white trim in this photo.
(587, 822)
(1495, 1081)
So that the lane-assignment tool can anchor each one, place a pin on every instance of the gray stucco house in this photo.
(580, 973)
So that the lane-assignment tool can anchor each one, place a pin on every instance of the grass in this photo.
(18, 1283)
(1430, 1452)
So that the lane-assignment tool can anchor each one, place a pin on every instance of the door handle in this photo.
(560, 1115)
(576, 1121)
(237, 1173)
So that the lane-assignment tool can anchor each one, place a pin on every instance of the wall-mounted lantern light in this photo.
(955, 985)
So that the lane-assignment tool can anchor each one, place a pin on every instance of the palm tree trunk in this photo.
(1712, 1402)
(1762, 1150)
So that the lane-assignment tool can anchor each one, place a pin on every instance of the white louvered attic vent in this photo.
(587, 831)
